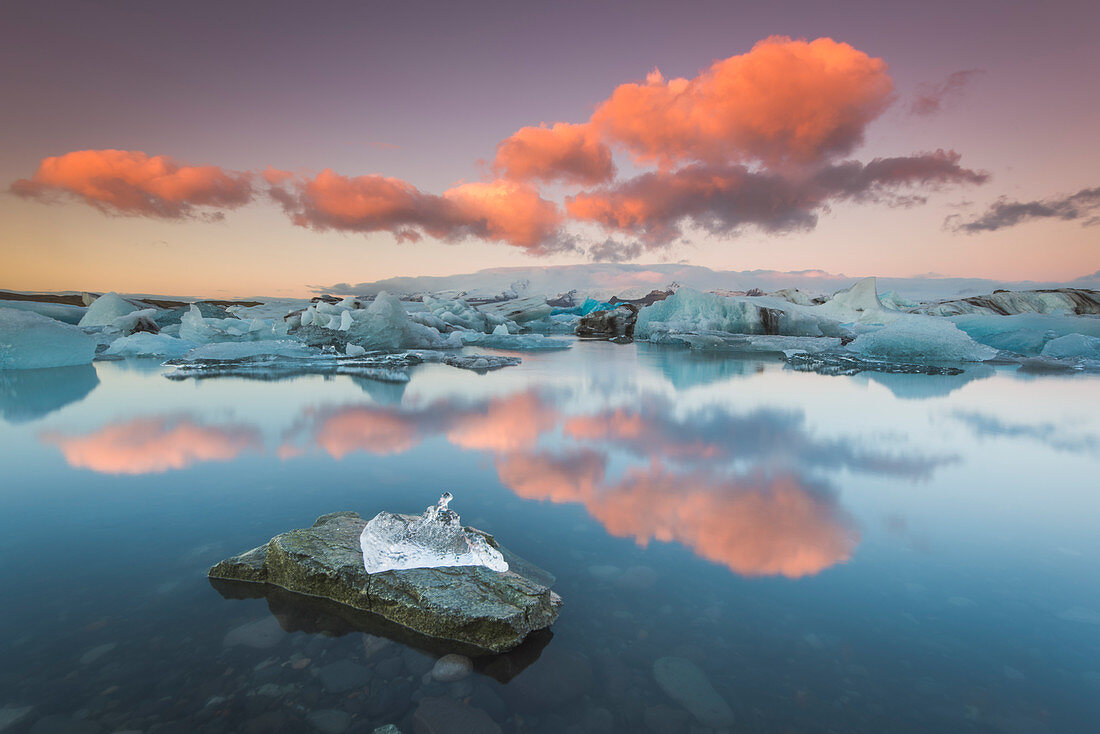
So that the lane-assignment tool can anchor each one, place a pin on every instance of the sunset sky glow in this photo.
(247, 148)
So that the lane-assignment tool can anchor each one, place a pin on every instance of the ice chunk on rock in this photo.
(920, 339)
(29, 340)
(106, 309)
(393, 542)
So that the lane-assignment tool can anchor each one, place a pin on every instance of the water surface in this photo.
(899, 553)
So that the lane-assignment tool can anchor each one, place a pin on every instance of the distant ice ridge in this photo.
(393, 542)
(29, 340)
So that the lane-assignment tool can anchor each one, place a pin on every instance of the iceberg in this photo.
(436, 539)
(29, 340)
(106, 309)
(194, 327)
(520, 310)
(512, 341)
(233, 351)
(60, 311)
(144, 344)
(1025, 334)
(1072, 346)
(920, 339)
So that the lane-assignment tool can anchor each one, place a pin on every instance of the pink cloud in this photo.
(501, 211)
(562, 152)
(130, 182)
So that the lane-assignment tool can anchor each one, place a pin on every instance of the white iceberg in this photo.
(392, 542)
(1072, 346)
(106, 309)
(512, 341)
(920, 339)
(1025, 334)
(60, 311)
(144, 344)
(230, 351)
(195, 328)
(29, 340)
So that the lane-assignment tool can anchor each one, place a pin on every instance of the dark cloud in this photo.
(1084, 205)
(722, 199)
(1049, 434)
(930, 98)
(613, 251)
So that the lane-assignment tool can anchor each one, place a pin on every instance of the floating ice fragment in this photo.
(29, 340)
(106, 309)
(392, 542)
(920, 339)
(144, 344)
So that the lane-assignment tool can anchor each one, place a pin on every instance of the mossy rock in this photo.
(472, 605)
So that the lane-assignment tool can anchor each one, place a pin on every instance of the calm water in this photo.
(879, 553)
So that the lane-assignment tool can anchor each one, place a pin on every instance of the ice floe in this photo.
(29, 340)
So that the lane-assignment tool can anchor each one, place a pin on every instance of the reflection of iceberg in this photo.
(684, 368)
(29, 394)
(436, 539)
(920, 387)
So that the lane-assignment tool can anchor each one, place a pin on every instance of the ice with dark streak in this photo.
(393, 542)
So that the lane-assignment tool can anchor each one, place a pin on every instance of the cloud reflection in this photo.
(755, 525)
(154, 444)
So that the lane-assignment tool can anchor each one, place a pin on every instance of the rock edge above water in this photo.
(472, 605)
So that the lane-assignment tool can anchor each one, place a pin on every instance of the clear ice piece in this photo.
(435, 539)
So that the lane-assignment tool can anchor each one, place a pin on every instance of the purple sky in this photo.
(422, 92)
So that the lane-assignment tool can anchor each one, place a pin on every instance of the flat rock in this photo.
(472, 605)
(12, 715)
(57, 724)
(558, 677)
(96, 653)
(259, 634)
(686, 684)
(329, 721)
(342, 676)
(451, 668)
(448, 716)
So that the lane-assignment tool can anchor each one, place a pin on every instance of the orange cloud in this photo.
(154, 445)
(130, 182)
(563, 152)
(783, 100)
(756, 525)
(503, 211)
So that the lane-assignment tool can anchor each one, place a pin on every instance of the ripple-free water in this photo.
(878, 553)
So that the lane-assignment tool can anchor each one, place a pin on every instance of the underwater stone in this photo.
(487, 610)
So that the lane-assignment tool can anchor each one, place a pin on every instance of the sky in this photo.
(260, 148)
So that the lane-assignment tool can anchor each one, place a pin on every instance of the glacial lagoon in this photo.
(813, 553)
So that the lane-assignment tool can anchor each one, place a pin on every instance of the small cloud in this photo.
(1083, 206)
(613, 251)
(383, 146)
(930, 98)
